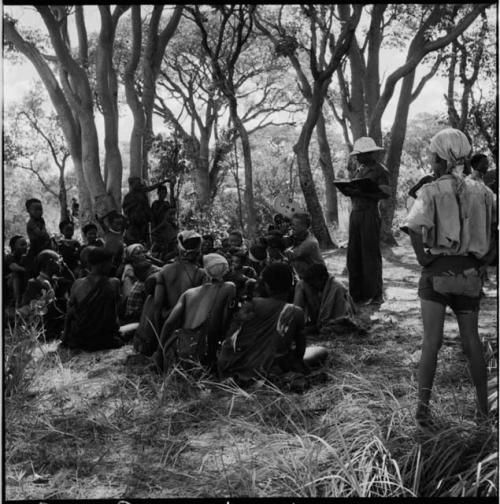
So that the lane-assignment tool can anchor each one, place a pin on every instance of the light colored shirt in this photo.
(454, 221)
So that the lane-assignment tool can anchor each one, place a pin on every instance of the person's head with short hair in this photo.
(316, 276)
(90, 232)
(235, 239)
(34, 208)
(238, 260)
(67, 228)
(116, 221)
(84, 255)
(301, 222)
(479, 163)
(207, 244)
(257, 253)
(100, 261)
(216, 266)
(18, 245)
(49, 262)
(162, 192)
(277, 279)
(275, 240)
(134, 183)
(141, 270)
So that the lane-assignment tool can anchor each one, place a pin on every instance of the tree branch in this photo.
(427, 77)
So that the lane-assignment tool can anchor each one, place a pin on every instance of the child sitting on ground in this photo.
(69, 248)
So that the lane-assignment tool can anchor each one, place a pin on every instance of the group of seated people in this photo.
(258, 302)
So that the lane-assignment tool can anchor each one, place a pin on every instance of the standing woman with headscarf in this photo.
(450, 228)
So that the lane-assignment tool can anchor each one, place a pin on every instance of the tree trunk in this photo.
(132, 97)
(251, 220)
(107, 88)
(70, 128)
(398, 133)
(301, 149)
(153, 55)
(325, 161)
(85, 200)
(202, 179)
(63, 196)
(356, 112)
(237, 180)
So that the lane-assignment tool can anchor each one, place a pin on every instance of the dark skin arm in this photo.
(155, 186)
(424, 180)
(424, 258)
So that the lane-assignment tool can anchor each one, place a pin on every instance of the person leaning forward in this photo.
(364, 258)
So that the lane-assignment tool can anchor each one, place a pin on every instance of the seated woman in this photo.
(267, 336)
(211, 304)
(92, 320)
(133, 254)
(324, 300)
(450, 229)
(137, 297)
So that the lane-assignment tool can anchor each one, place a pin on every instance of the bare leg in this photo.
(471, 344)
(433, 321)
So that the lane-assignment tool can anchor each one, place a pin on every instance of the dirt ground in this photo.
(92, 427)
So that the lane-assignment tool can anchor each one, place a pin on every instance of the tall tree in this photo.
(186, 76)
(73, 98)
(364, 99)
(141, 98)
(313, 46)
(325, 57)
(470, 61)
(30, 131)
(235, 26)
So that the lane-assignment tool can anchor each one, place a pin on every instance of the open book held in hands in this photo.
(360, 185)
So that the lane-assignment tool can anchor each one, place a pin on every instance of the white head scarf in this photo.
(215, 265)
(131, 249)
(453, 146)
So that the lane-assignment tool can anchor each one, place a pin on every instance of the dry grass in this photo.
(87, 426)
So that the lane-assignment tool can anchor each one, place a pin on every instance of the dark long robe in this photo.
(92, 323)
(268, 337)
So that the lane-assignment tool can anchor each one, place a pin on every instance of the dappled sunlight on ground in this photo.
(89, 426)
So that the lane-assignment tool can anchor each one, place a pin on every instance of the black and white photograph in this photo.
(250, 251)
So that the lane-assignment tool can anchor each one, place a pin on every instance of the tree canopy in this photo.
(211, 80)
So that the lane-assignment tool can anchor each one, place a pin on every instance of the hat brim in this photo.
(375, 149)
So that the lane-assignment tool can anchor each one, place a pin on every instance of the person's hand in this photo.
(482, 271)
(425, 259)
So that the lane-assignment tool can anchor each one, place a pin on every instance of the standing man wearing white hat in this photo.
(364, 258)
